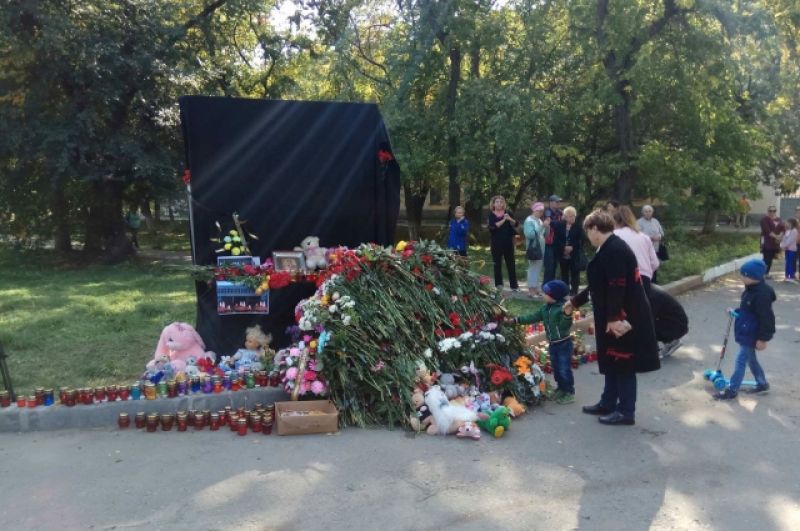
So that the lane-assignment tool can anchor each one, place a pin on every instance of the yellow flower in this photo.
(326, 299)
(313, 344)
(236, 251)
(401, 246)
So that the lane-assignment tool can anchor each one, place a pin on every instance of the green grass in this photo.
(64, 325)
(169, 236)
(68, 325)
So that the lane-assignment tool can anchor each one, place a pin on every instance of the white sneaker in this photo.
(669, 348)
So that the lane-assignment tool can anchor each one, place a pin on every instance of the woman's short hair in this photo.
(601, 220)
(570, 210)
(624, 217)
(491, 203)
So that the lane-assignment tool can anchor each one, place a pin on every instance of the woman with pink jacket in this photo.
(627, 229)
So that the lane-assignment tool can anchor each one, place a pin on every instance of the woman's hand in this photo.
(618, 328)
(567, 249)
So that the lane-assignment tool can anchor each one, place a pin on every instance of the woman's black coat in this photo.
(563, 237)
(617, 294)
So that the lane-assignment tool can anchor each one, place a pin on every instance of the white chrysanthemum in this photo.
(500, 338)
(346, 320)
(465, 336)
(428, 353)
(332, 308)
(437, 291)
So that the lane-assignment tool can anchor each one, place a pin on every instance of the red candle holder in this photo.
(266, 426)
(241, 427)
(183, 422)
(124, 392)
(32, 402)
(223, 417)
(234, 422)
(255, 423)
(111, 393)
(214, 422)
(5, 399)
(21, 401)
(152, 422)
(140, 420)
(123, 421)
(167, 421)
(199, 422)
(100, 394)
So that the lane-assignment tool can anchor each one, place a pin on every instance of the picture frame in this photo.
(238, 261)
(291, 261)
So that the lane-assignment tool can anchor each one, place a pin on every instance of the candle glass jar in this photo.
(71, 397)
(123, 421)
(208, 387)
(152, 422)
(241, 426)
(112, 392)
(172, 388)
(183, 421)
(124, 392)
(233, 422)
(214, 422)
(199, 422)
(5, 399)
(22, 401)
(266, 426)
(150, 390)
(32, 401)
(223, 417)
(136, 392)
(140, 420)
(167, 421)
(255, 423)
(161, 388)
(39, 394)
(100, 394)
(49, 397)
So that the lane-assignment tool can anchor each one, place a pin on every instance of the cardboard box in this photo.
(327, 422)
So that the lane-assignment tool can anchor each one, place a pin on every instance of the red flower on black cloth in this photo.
(187, 176)
(385, 156)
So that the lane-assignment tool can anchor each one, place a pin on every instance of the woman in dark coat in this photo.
(567, 244)
(502, 229)
(626, 340)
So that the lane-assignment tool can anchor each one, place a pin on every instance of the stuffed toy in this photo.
(514, 407)
(315, 255)
(447, 382)
(178, 342)
(469, 430)
(497, 423)
(162, 369)
(191, 369)
(447, 418)
(421, 420)
(424, 378)
(523, 365)
(252, 356)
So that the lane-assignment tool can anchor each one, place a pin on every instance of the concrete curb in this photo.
(57, 417)
(674, 288)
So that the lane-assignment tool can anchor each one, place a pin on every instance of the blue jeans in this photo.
(791, 260)
(619, 393)
(561, 360)
(747, 356)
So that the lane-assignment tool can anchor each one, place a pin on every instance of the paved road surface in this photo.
(689, 463)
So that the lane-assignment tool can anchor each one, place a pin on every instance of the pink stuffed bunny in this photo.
(180, 341)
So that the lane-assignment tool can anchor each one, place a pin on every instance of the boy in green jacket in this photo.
(557, 323)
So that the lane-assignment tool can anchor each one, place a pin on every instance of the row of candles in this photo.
(145, 390)
(258, 420)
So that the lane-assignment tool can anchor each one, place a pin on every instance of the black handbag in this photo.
(663, 252)
(534, 250)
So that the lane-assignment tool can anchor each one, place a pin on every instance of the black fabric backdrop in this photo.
(290, 169)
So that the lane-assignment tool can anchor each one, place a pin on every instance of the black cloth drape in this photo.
(290, 169)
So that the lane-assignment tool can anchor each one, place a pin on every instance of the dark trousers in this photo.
(646, 283)
(619, 393)
(561, 359)
(500, 251)
(549, 264)
(769, 256)
(570, 275)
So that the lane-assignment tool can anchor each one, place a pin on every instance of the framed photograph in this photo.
(238, 261)
(291, 261)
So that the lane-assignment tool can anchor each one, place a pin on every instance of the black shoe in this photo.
(616, 418)
(597, 409)
(725, 394)
(757, 389)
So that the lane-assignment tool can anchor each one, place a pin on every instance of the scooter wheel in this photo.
(720, 384)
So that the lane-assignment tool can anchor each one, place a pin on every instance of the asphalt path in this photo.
(689, 462)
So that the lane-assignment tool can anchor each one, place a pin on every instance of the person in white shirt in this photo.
(641, 245)
(651, 228)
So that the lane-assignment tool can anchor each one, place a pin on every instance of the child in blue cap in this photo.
(755, 326)
(557, 323)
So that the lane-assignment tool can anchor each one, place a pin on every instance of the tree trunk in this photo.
(157, 211)
(105, 228)
(414, 204)
(58, 204)
(710, 221)
(474, 213)
(453, 185)
(623, 188)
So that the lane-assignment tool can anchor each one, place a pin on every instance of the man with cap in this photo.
(755, 326)
(554, 214)
(557, 323)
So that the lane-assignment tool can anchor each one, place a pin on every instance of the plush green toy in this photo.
(497, 423)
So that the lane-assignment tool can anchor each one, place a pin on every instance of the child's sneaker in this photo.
(565, 398)
(554, 394)
(726, 394)
(758, 389)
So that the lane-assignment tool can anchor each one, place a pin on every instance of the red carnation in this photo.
(384, 156)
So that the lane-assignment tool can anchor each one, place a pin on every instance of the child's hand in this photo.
(761, 345)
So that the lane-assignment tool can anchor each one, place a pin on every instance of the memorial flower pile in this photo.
(380, 314)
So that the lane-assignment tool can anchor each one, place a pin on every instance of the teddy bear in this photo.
(447, 417)
(469, 430)
(514, 406)
(447, 381)
(497, 423)
(178, 342)
(421, 419)
(191, 369)
(314, 254)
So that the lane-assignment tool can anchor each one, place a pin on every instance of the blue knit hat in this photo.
(755, 269)
(556, 289)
